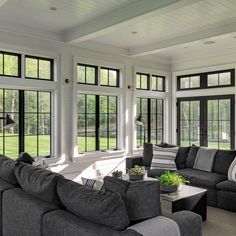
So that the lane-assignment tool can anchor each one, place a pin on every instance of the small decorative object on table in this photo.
(117, 174)
(171, 182)
(136, 173)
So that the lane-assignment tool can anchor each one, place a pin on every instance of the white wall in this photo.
(64, 55)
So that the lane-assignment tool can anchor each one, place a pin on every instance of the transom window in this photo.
(97, 123)
(86, 74)
(109, 77)
(151, 112)
(158, 83)
(142, 81)
(38, 68)
(10, 64)
(204, 80)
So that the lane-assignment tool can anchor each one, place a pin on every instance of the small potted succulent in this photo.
(136, 173)
(117, 174)
(171, 182)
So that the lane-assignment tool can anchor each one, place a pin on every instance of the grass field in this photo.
(222, 145)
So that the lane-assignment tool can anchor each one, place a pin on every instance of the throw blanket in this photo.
(157, 226)
(232, 171)
(164, 158)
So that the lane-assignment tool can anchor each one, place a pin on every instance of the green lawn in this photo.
(11, 145)
(222, 145)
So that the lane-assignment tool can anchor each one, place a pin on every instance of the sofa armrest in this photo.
(189, 222)
(132, 161)
(157, 226)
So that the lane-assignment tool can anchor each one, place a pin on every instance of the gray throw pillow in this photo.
(205, 159)
(142, 198)
(99, 207)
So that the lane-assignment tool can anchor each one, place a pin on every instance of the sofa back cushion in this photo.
(7, 170)
(142, 198)
(181, 157)
(223, 160)
(192, 156)
(38, 182)
(99, 207)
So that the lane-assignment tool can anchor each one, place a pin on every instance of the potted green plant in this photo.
(171, 182)
(117, 174)
(136, 173)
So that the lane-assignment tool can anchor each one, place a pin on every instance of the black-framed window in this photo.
(87, 74)
(10, 64)
(151, 111)
(31, 111)
(213, 79)
(142, 81)
(97, 123)
(206, 121)
(109, 77)
(38, 68)
(158, 83)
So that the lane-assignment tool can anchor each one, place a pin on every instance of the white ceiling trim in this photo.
(131, 14)
(183, 40)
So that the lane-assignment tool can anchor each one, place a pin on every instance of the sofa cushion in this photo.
(204, 159)
(142, 198)
(223, 160)
(7, 170)
(155, 172)
(202, 178)
(192, 156)
(100, 207)
(147, 154)
(181, 157)
(38, 182)
(227, 185)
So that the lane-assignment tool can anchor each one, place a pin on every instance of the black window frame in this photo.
(163, 83)
(97, 123)
(19, 63)
(21, 120)
(38, 59)
(140, 80)
(96, 74)
(148, 122)
(117, 79)
(203, 80)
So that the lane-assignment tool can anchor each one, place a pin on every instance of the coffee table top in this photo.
(185, 192)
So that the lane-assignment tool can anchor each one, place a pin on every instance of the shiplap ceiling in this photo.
(166, 28)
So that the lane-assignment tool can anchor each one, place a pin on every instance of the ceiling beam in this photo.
(183, 40)
(131, 14)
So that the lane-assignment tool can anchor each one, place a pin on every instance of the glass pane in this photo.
(91, 121)
(11, 146)
(81, 123)
(225, 78)
(91, 106)
(11, 101)
(1, 144)
(194, 110)
(104, 77)
(184, 111)
(112, 104)
(44, 145)
(113, 77)
(31, 67)
(31, 145)
(112, 140)
(160, 84)
(154, 83)
(90, 75)
(45, 69)
(81, 74)
(195, 81)
(112, 122)
(138, 85)
(144, 82)
(31, 124)
(212, 80)
(91, 142)
(44, 102)
(1, 65)
(81, 103)
(1, 100)
(224, 109)
(44, 126)
(144, 105)
(224, 135)
(81, 142)
(184, 82)
(11, 65)
(103, 106)
(31, 101)
(213, 134)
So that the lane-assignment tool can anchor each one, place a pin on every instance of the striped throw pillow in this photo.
(164, 158)
(92, 183)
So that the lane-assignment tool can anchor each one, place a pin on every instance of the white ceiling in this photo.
(165, 28)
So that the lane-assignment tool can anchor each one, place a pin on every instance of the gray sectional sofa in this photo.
(221, 192)
(38, 202)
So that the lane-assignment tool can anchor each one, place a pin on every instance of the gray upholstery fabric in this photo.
(204, 159)
(155, 172)
(22, 214)
(202, 178)
(63, 223)
(157, 226)
(142, 198)
(190, 224)
(147, 154)
(7, 170)
(226, 200)
(132, 161)
(3, 187)
(25, 157)
(192, 156)
(38, 182)
(97, 206)
(227, 185)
